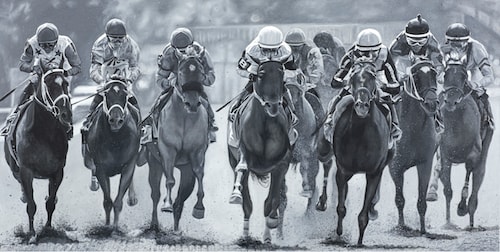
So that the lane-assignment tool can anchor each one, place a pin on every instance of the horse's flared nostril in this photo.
(120, 121)
(198, 104)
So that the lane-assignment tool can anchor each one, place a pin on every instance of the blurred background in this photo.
(224, 27)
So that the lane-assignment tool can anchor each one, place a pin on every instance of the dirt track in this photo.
(80, 215)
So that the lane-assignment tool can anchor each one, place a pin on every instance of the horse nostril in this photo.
(198, 104)
(112, 120)
(186, 104)
(120, 121)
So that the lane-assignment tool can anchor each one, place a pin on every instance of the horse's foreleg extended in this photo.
(424, 173)
(240, 170)
(199, 171)
(247, 206)
(186, 187)
(432, 194)
(372, 185)
(168, 168)
(342, 188)
(446, 180)
(462, 208)
(27, 185)
(155, 175)
(132, 197)
(50, 203)
(106, 191)
(398, 178)
(477, 180)
(125, 181)
(322, 203)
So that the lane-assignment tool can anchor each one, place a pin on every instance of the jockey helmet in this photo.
(417, 28)
(270, 37)
(116, 28)
(47, 33)
(457, 31)
(181, 38)
(368, 40)
(295, 37)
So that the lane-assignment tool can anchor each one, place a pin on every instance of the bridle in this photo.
(105, 107)
(46, 101)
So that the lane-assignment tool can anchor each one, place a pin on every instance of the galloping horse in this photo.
(309, 112)
(113, 144)
(361, 143)
(418, 142)
(264, 148)
(464, 140)
(36, 147)
(182, 143)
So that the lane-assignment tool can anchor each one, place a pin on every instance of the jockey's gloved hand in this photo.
(37, 69)
(336, 84)
(252, 77)
(479, 90)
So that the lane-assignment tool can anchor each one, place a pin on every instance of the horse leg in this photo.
(125, 181)
(107, 202)
(50, 203)
(372, 185)
(240, 170)
(186, 187)
(168, 166)
(447, 190)
(322, 203)
(247, 205)
(272, 202)
(199, 171)
(132, 197)
(397, 175)
(432, 194)
(281, 209)
(372, 212)
(155, 175)
(27, 184)
(477, 180)
(424, 174)
(342, 188)
(462, 208)
(311, 175)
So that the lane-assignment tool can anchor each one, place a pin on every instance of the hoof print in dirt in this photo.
(251, 243)
(176, 238)
(46, 235)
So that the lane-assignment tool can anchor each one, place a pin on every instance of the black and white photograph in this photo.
(235, 125)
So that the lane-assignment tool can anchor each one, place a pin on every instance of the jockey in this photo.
(416, 42)
(115, 55)
(181, 43)
(368, 48)
(307, 58)
(44, 51)
(267, 46)
(332, 47)
(460, 47)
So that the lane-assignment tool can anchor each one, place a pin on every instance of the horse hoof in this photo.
(306, 193)
(198, 213)
(132, 201)
(167, 209)
(373, 214)
(272, 222)
(23, 198)
(462, 209)
(47, 197)
(94, 184)
(236, 198)
(321, 207)
(431, 196)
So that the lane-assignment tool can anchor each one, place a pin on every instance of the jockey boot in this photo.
(329, 121)
(8, 122)
(212, 128)
(395, 130)
(489, 113)
(292, 133)
(93, 106)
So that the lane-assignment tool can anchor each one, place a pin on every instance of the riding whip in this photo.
(227, 103)
(16, 87)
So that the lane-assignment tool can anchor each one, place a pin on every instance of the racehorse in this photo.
(113, 144)
(418, 142)
(264, 149)
(36, 147)
(361, 142)
(182, 142)
(464, 140)
(309, 112)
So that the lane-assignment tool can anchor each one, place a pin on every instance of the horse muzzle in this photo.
(362, 108)
(272, 108)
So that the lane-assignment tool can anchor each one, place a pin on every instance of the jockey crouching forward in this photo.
(415, 43)
(181, 43)
(44, 51)
(114, 55)
(368, 48)
(269, 45)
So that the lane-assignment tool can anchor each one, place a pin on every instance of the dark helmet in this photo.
(457, 31)
(116, 28)
(181, 38)
(295, 37)
(47, 33)
(417, 27)
(324, 39)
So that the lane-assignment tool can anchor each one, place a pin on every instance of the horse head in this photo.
(455, 78)
(114, 104)
(190, 80)
(363, 81)
(52, 93)
(422, 86)
(269, 88)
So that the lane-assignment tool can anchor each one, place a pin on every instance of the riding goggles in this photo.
(47, 46)
(416, 41)
(459, 44)
(112, 39)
